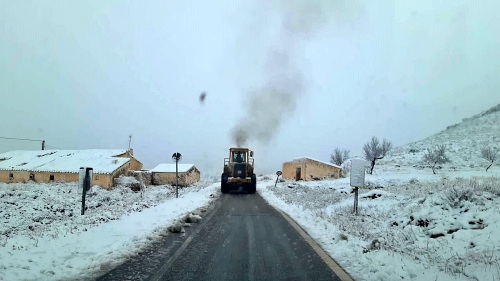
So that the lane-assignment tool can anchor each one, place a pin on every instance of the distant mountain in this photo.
(463, 143)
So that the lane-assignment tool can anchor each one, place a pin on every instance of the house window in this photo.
(11, 176)
(51, 177)
(32, 177)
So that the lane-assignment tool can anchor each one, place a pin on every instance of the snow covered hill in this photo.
(463, 143)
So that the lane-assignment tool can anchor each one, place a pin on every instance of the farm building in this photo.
(165, 174)
(310, 169)
(64, 165)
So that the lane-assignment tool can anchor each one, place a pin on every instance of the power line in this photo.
(21, 139)
(6, 138)
(24, 139)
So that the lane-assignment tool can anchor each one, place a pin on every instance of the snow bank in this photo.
(44, 237)
(408, 228)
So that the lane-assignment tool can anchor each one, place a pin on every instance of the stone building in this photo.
(165, 174)
(64, 165)
(310, 169)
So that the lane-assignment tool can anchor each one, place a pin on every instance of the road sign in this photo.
(81, 177)
(358, 168)
(176, 157)
(278, 174)
(84, 183)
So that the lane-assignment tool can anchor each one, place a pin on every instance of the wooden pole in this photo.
(356, 200)
(176, 179)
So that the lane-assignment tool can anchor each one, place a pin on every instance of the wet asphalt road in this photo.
(242, 238)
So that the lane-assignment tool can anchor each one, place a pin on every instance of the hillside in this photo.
(463, 142)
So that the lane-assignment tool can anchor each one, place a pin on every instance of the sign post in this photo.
(176, 157)
(357, 178)
(278, 174)
(84, 183)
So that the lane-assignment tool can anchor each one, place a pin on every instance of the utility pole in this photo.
(129, 141)
(43, 144)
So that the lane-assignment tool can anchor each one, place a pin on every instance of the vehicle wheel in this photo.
(224, 187)
(253, 185)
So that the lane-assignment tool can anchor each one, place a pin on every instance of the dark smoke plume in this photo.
(277, 97)
(268, 106)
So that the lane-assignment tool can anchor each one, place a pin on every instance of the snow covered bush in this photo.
(491, 185)
(456, 196)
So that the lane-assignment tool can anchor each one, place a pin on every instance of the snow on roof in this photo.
(63, 161)
(170, 168)
(322, 162)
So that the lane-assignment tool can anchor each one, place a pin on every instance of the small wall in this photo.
(191, 177)
(165, 178)
(185, 179)
(123, 170)
(147, 177)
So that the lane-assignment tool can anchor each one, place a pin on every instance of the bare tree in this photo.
(375, 151)
(436, 156)
(490, 154)
(339, 156)
(346, 168)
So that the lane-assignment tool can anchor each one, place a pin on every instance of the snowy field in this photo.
(412, 225)
(44, 237)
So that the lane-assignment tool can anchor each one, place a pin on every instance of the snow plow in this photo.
(239, 171)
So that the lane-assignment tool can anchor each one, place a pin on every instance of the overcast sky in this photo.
(293, 78)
